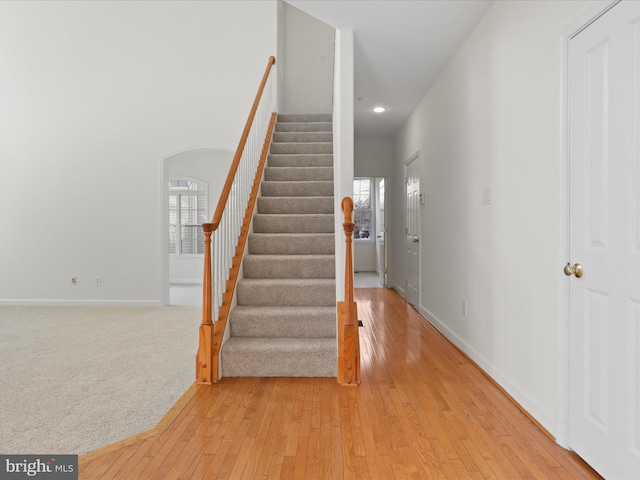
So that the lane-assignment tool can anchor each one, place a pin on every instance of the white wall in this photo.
(373, 157)
(343, 144)
(307, 63)
(492, 120)
(94, 95)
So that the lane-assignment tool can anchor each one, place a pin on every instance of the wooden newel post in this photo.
(348, 226)
(204, 360)
(348, 338)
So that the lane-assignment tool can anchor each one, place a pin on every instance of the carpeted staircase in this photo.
(285, 321)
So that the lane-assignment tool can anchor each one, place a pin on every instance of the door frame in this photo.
(414, 158)
(573, 29)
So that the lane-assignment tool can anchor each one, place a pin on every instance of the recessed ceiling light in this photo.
(379, 109)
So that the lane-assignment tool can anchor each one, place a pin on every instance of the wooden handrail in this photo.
(348, 336)
(210, 334)
(224, 194)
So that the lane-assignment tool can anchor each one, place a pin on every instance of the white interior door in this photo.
(412, 231)
(604, 325)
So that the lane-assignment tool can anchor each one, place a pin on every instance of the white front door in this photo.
(412, 242)
(604, 162)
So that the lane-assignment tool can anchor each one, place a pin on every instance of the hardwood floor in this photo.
(423, 411)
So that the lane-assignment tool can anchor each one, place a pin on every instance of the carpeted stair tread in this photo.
(300, 160)
(287, 292)
(298, 174)
(297, 189)
(289, 266)
(295, 205)
(283, 321)
(279, 357)
(292, 243)
(278, 223)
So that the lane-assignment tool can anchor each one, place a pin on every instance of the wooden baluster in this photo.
(204, 372)
(348, 337)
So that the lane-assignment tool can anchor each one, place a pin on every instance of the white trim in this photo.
(399, 289)
(164, 228)
(343, 143)
(573, 29)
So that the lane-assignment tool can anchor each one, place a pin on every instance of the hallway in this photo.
(422, 411)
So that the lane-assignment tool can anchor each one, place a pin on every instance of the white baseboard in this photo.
(79, 303)
(531, 406)
(398, 289)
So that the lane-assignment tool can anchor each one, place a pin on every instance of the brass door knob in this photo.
(573, 270)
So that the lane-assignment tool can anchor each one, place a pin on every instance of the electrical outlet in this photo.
(97, 281)
(74, 280)
(464, 308)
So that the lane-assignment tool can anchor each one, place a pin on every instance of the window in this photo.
(187, 213)
(362, 208)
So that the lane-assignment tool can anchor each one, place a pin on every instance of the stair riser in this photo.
(286, 294)
(293, 224)
(304, 117)
(304, 127)
(269, 326)
(315, 160)
(302, 148)
(280, 174)
(261, 266)
(297, 189)
(289, 244)
(300, 363)
(302, 137)
(295, 205)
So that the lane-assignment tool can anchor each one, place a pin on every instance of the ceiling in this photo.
(400, 48)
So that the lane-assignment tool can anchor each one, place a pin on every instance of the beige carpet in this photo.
(73, 379)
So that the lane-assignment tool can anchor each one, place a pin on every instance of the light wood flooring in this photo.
(423, 411)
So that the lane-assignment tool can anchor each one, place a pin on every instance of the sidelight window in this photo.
(363, 208)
